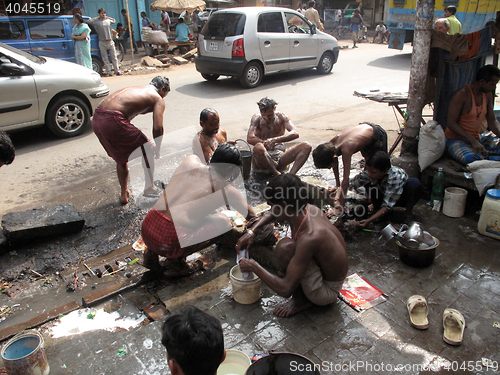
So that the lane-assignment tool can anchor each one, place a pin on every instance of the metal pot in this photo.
(414, 236)
(420, 257)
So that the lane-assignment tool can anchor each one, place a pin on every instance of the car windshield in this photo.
(222, 24)
(26, 55)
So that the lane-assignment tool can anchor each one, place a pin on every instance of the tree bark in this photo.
(418, 74)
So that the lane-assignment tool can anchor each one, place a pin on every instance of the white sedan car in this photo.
(39, 90)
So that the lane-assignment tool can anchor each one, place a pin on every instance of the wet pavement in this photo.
(464, 275)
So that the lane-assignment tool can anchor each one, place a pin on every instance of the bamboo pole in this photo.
(129, 30)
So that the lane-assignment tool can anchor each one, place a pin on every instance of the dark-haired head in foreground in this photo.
(194, 342)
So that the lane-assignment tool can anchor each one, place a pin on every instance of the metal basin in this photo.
(422, 256)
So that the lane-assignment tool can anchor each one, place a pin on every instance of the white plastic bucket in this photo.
(24, 355)
(244, 292)
(454, 201)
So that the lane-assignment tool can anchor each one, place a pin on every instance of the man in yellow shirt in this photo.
(455, 25)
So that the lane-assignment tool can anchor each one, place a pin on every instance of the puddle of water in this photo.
(86, 320)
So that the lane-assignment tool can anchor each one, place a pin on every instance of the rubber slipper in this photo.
(418, 310)
(155, 194)
(454, 326)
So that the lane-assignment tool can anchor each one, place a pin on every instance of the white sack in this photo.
(484, 172)
(431, 144)
(157, 37)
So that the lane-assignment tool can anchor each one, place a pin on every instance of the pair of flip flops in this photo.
(453, 320)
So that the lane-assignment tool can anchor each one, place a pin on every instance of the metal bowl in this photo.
(421, 257)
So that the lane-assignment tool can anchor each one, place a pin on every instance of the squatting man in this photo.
(313, 262)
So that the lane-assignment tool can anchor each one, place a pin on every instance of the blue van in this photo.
(47, 36)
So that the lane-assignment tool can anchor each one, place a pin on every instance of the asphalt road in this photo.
(50, 171)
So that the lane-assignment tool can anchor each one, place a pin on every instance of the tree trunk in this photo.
(416, 92)
(418, 74)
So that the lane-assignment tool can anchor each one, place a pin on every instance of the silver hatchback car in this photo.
(36, 90)
(250, 42)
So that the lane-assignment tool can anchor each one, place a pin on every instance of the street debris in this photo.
(87, 319)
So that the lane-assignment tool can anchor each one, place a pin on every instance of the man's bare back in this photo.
(323, 242)
(132, 101)
(353, 139)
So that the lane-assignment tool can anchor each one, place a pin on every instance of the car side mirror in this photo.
(313, 29)
(11, 69)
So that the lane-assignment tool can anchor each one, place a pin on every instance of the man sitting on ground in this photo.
(211, 135)
(183, 220)
(365, 138)
(268, 132)
(386, 186)
(194, 341)
(469, 106)
(314, 260)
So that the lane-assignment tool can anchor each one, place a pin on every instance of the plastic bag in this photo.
(485, 173)
(431, 144)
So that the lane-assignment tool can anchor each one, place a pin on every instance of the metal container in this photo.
(423, 256)
(246, 159)
(413, 236)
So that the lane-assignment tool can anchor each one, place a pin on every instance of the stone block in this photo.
(45, 221)
(178, 60)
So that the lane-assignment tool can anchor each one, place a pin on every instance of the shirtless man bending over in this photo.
(183, 220)
(211, 135)
(365, 138)
(314, 259)
(268, 131)
(111, 124)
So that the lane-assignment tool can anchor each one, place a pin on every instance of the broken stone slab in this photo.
(44, 221)
(178, 60)
(189, 54)
(150, 61)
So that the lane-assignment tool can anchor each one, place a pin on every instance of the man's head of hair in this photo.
(181, 20)
(226, 160)
(100, 10)
(452, 9)
(266, 103)
(286, 188)
(7, 151)
(380, 160)
(205, 113)
(487, 73)
(194, 340)
(124, 11)
(161, 82)
(324, 154)
(442, 24)
(311, 4)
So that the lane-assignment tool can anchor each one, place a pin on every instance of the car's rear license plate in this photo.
(213, 46)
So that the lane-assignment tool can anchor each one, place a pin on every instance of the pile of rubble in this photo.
(151, 63)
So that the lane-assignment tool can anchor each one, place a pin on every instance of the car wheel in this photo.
(325, 63)
(67, 117)
(210, 77)
(252, 75)
(97, 65)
